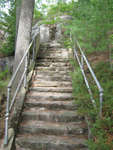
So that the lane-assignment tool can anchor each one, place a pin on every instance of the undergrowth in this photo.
(101, 129)
(4, 79)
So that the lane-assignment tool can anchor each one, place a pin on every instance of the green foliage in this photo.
(102, 129)
(46, 21)
(8, 26)
(80, 92)
(59, 9)
(92, 23)
(67, 43)
(37, 14)
(54, 11)
(4, 78)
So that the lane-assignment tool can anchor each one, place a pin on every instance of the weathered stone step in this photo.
(49, 120)
(46, 142)
(54, 50)
(50, 128)
(52, 105)
(45, 114)
(43, 83)
(54, 53)
(55, 64)
(60, 75)
(62, 54)
(55, 44)
(53, 78)
(54, 57)
(50, 96)
(53, 68)
(47, 72)
(49, 59)
(52, 89)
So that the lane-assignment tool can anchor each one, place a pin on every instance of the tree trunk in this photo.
(18, 9)
(24, 29)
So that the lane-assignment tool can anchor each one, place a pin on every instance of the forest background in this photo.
(92, 24)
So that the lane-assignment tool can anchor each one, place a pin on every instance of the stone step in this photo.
(52, 105)
(54, 57)
(62, 54)
(54, 53)
(21, 148)
(46, 142)
(44, 114)
(49, 96)
(53, 78)
(50, 128)
(52, 89)
(50, 45)
(53, 50)
(49, 59)
(43, 83)
(49, 120)
(53, 68)
(49, 73)
(55, 64)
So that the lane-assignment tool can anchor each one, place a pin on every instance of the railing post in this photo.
(34, 46)
(26, 68)
(82, 62)
(7, 116)
(101, 101)
(11, 98)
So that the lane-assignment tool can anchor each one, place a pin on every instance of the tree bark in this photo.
(18, 9)
(24, 29)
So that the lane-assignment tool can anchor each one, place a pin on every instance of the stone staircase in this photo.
(49, 118)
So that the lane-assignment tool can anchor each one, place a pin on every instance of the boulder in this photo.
(59, 29)
(44, 34)
(65, 17)
(58, 34)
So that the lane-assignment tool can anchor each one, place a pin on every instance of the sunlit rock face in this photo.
(58, 34)
(44, 33)
(65, 17)
(59, 29)
(51, 32)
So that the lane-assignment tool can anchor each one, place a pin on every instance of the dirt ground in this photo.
(96, 57)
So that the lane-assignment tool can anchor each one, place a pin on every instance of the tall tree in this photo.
(24, 29)
(18, 9)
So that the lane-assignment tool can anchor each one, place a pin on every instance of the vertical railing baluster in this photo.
(82, 62)
(7, 115)
(101, 101)
(11, 98)
(26, 68)
(34, 44)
